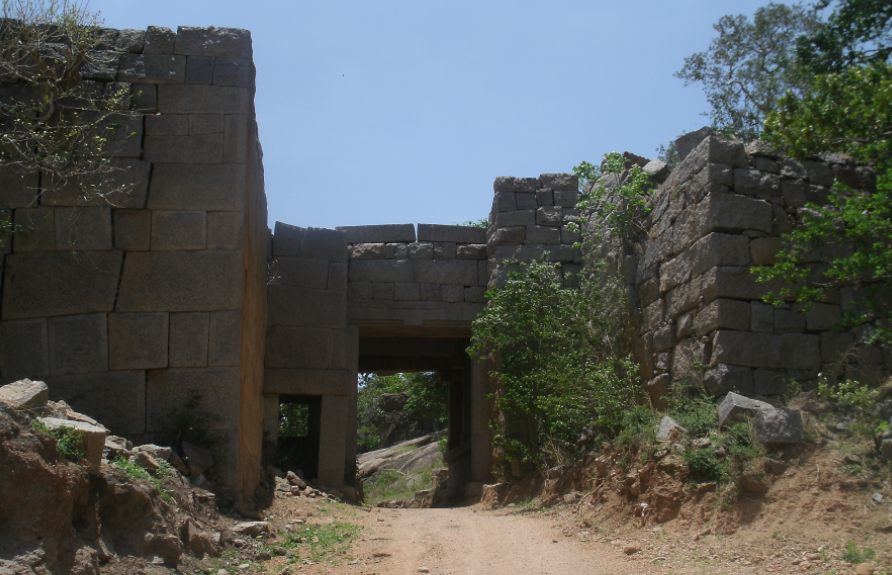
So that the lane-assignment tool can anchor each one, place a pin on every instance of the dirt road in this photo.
(464, 541)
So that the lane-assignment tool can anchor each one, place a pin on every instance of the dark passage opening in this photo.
(300, 418)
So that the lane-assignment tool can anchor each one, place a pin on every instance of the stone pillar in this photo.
(270, 417)
(352, 351)
(333, 440)
(481, 435)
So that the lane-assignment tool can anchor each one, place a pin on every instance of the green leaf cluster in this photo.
(619, 203)
(562, 362)
(69, 441)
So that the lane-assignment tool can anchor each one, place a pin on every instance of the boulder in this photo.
(667, 424)
(25, 394)
(778, 426)
(92, 439)
(144, 460)
(157, 452)
(251, 528)
(198, 458)
(734, 407)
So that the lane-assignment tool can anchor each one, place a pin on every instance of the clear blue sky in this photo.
(405, 111)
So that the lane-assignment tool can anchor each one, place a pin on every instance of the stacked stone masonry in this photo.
(699, 309)
(129, 305)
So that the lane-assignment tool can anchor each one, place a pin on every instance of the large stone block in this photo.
(159, 40)
(199, 70)
(819, 173)
(235, 142)
(756, 183)
(511, 236)
(683, 298)
(48, 284)
(564, 182)
(734, 283)
(291, 347)
(25, 394)
(543, 235)
(17, 190)
(300, 272)
(770, 382)
(368, 251)
(133, 229)
(302, 307)
(736, 407)
(306, 381)
(202, 99)
(188, 339)
(337, 276)
(181, 281)
(407, 292)
(387, 270)
(212, 41)
(379, 233)
(152, 69)
(24, 349)
(224, 230)
(718, 249)
(516, 218)
(179, 230)
(36, 230)
(723, 379)
(786, 351)
(550, 216)
(444, 250)
(233, 72)
(457, 272)
(471, 252)
(131, 41)
(83, 229)
(92, 439)
(733, 213)
(200, 149)
(78, 344)
(457, 234)
(117, 399)
(288, 239)
(566, 198)
(197, 187)
(382, 290)
(723, 313)
(125, 186)
(224, 338)
(822, 317)
(452, 293)
(396, 251)
(836, 345)
(215, 389)
(324, 244)
(504, 202)
(137, 340)
(526, 201)
(512, 184)
(778, 427)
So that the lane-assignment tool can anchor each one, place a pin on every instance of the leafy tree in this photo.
(52, 120)
(562, 361)
(751, 65)
(858, 32)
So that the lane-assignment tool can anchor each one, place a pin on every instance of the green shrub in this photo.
(69, 441)
(705, 465)
(854, 554)
(638, 427)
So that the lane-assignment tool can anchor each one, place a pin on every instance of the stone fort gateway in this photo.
(177, 295)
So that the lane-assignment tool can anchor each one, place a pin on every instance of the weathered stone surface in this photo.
(303, 307)
(761, 317)
(202, 99)
(722, 174)
(819, 173)
(526, 200)
(543, 198)
(181, 281)
(786, 351)
(47, 284)
(179, 230)
(83, 229)
(835, 345)
(212, 41)
(137, 340)
(664, 338)
(168, 390)
(25, 394)
(17, 190)
(359, 290)
(457, 272)
(475, 294)
(723, 379)
(766, 165)
(452, 293)
(559, 181)
(754, 182)
(683, 298)
(188, 339)
(382, 290)
(550, 216)
(125, 186)
(224, 338)
(430, 292)
(735, 407)
(396, 251)
(653, 315)
(131, 41)
(199, 70)
(542, 235)
(823, 317)
(198, 458)
(517, 218)
(305, 382)
(566, 198)
(734, 283)
(337, 276)
(769, 382)
(297, 347)
(379, 233)
(686, 143)
(471, 252)
(386, 270)
(763, 251)
(132, 229)
(78, 344)
(657, 169)
(152, 69)
(24, 348)
(667, 425)
(233, 72)
(458, 234)
(718, 249)
(37, 230)
(92, 442)
(504, 202)
(117, 399)
(197, 187)
(723, 313)
(779, 427)
(444, 250)
(324, 244)
(512, 184)
(421, 251)
(144, 98)
(786, 321)
(224, 230)
(300, 272)
(733, 213)
(511, 236)
(159, 40)
(198, 149)
(407, 292)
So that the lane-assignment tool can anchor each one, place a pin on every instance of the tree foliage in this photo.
(562, 361)
(614, 194)
(858, 32)
(751, 65)
(52, 120)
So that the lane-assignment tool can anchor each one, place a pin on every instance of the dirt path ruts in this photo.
(464, 541)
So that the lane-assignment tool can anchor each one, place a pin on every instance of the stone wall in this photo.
(699, 309)
(130, 305)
